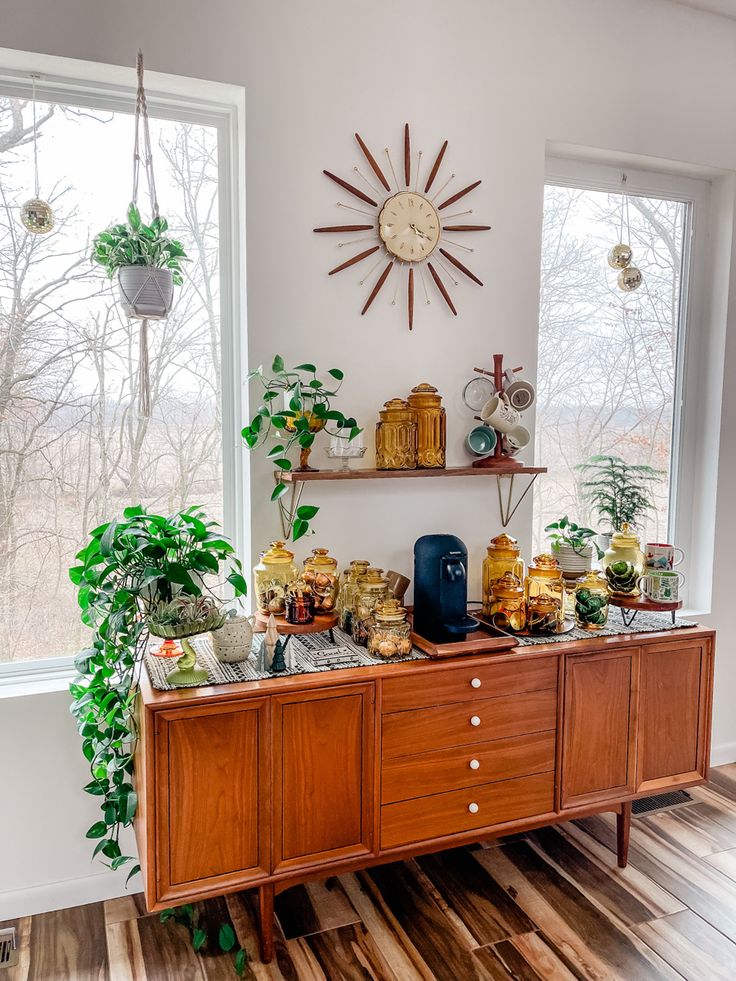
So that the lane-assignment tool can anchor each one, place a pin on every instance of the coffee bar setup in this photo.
(341, 726)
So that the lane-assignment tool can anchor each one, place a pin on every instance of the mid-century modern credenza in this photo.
(273, 783)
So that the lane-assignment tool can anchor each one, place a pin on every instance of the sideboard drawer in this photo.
(439, 685)
(466, 810)
(427, 729)
(452, 769)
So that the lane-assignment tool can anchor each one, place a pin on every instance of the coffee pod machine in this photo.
(441, 589)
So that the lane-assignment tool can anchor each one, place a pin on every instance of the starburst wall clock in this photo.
(409, 227)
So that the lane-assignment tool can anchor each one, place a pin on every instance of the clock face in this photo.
(409, 226)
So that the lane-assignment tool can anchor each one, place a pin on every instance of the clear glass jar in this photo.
(347, 591)
(372, 589)
(624, 562)
(545, 579)
(320, 573)
(389, 631)
(271, 577)
(507, 606)
(591, 601)
(396, 437)
(504, 555)
(431, 426)
(299, 602)
(542, 615)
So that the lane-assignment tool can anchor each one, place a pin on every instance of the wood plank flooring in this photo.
(547, 906)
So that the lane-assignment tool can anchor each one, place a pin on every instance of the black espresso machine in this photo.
(441, 589)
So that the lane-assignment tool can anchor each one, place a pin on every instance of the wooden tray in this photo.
(486, 640)
(321, 624)
(643, 602)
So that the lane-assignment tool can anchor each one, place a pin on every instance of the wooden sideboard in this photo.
(276, 782)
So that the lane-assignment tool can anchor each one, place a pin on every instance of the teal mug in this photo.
(662, 585)
(481, 441)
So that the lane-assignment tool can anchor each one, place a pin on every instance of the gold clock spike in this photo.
(359, 211)
(355, 258)
(424, 286)
(362, 176)
(450, 178)
(460, 266)
(372, 161)
(370, 272)
(374, 292)
(456, 245)
(441, 287)
(396, 292)
(459, 214)
(357, 241)
(419, 167)
(391, 165)
(447, 271)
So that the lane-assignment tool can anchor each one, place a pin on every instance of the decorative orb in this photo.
(619, 257)
(630, 279)
(36, 216)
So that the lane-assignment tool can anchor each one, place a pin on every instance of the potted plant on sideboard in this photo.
(572, 546)
(617, 491)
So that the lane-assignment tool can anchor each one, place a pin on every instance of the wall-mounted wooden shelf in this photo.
(294, 476)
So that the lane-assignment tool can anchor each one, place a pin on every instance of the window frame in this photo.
(691, 404)
(219, 105)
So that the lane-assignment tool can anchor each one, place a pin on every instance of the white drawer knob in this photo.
(474, 720)
(473, 807)
(475, 683)
(474, 764)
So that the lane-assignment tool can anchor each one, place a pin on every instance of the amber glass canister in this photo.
(545, 579)
(348, 588)
(504, 555)
(396, 437)
(389, 632)
(431, 426)
(507, 608)
(271, 577)
(371, 590)
(320, 573)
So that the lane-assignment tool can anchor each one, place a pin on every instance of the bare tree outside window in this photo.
(607, 359)
(73, 448)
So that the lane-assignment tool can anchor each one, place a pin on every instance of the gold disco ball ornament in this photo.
(37, 216)
(630, 279)
(620, 256)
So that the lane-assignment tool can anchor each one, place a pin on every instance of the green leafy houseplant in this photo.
(618, 492)
(138, 244)
(295, 406)
(566, 532)
(139, 566)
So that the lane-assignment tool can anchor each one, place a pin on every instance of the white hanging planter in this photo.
(146, 292)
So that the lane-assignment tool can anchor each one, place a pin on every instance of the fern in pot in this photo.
(617, 491)
(573, 546)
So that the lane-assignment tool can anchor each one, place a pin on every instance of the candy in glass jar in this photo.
(545, 579)
(542, 615)
(320, 572)
(507, 605)
(347, 591)
(372, 589)
(271, 577)
(389, 632)
(299, 602)
(504, 555)
(591, 601)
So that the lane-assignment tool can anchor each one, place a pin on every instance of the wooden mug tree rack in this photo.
(498, 460)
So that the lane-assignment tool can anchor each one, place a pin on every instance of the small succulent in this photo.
(184, 610)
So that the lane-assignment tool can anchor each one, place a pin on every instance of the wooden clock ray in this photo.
(407, 227)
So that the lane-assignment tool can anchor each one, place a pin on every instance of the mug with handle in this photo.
(481, 441)
(500, 414)
(663, 556)
(661, 585)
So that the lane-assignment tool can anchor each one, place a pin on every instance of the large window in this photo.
(73, 448)
(611, 364)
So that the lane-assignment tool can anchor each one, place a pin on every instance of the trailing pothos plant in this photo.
(295, 406)
(129, 569)
(138, 244)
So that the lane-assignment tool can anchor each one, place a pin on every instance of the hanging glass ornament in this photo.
(620, 256)
(36, 215)
(630, 279)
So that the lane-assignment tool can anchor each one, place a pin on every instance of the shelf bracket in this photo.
(287, 513)
(505, 507)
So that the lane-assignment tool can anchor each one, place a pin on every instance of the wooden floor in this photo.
(548, 905)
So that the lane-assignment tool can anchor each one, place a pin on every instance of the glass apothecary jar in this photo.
(591, 601)
(389, 632)
(507, 606)
(372, 589)
(320, 573)
(396, 437)
(271, 576)
(623, 562)
(542, 615)
(299, 602)
(504, 555)
(431, 426)
(545, 579)
(347, 592)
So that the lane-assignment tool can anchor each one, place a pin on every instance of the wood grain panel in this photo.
(404, 777)
(692, 947)
(448, 814)
(69, 943)
(438, 685)
(441, 726)
(597, 755)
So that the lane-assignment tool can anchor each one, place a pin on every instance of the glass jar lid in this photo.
(277, 553)
(507, 587)
(594, 579)
(298, 587)
(542, 604)
(545, 565)
(626, 538)
(358, 567)
(321, 559)
(397, 410)
(503, 544)
(390, 611)
(424, 395)
(373, 577)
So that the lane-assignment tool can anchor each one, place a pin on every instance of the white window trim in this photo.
(96, 85)
(701, 343)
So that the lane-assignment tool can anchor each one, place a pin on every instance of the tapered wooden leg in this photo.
(265, 909)
(623, 831)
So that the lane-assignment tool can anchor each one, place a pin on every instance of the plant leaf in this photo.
(226, 937)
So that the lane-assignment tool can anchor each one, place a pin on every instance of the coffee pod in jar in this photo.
(389, 632)
(507, 603)
(320, 572)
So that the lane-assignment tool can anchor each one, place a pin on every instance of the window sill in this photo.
(36, 678)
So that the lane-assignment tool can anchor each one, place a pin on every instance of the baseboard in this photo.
(725, 753)
(69, 892)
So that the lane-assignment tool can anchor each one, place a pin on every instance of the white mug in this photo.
(520, 394)
(500, 414)
(518, 437)
(662, 585)
(232, 642)
(662, 556)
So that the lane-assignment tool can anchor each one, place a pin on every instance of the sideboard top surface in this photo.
(158, 700)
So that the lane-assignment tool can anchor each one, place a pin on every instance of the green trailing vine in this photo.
(131, 568)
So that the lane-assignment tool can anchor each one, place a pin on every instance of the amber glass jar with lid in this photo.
(623, 562)
(320, 573)
(396, 437)
(542, 615)
(507, 606)
(389, 632)
(347, 591)
(372, 589)
(545, 579)
(271, 577)
(504, 555)
(591, 601)
(431, 426)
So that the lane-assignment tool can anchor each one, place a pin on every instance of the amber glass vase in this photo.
(396, 437)
(431, 426)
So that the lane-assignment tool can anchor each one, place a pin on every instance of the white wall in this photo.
(498, 80)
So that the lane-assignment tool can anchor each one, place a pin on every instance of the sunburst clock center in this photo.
(409, 226)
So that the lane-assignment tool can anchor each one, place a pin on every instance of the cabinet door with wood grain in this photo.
(599, 737)
(323, 775)
(212, 797)
(673, 714)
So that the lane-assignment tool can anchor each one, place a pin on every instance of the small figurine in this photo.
(270, 640)
(278, 664)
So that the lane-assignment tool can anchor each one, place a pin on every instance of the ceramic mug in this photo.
(518, 438)
(661, 556)
(481, 441)
(232, 642)
(520, 394)
(662, 585)
(500, 414)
